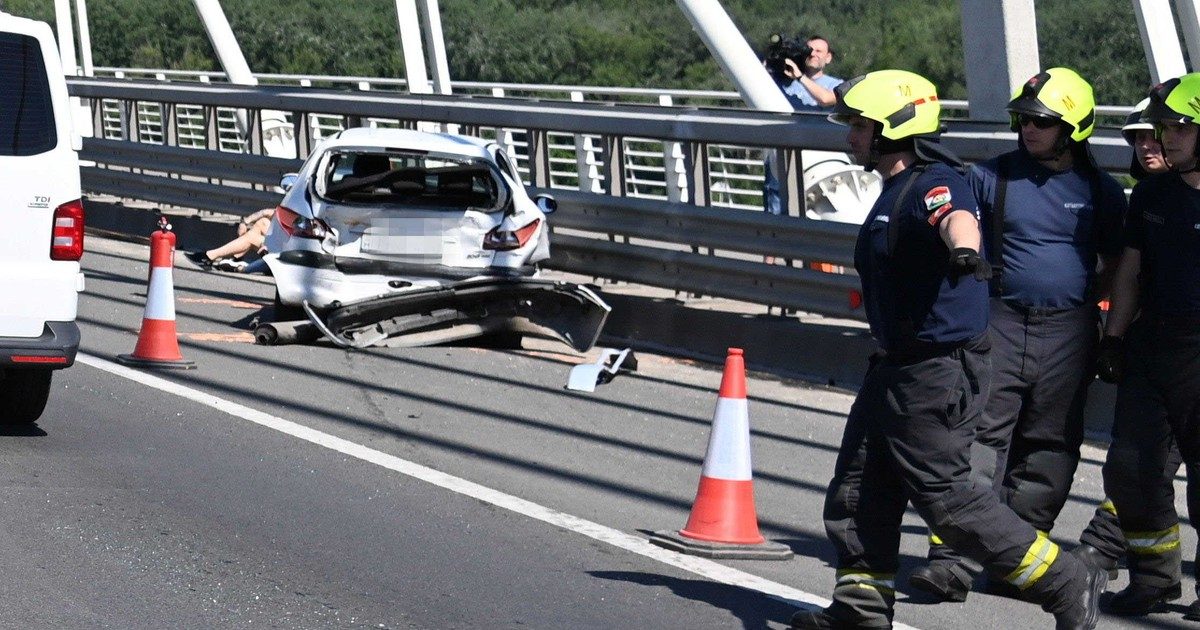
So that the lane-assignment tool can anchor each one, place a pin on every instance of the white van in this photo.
(40, 278)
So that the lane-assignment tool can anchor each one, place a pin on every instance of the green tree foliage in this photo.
(634, 43)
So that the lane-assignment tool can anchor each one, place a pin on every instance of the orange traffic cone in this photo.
(723, 523)
(157, 344)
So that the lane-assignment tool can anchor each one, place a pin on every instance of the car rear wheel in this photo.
(23, 395)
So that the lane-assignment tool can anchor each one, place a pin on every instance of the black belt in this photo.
(915, 350)
(1040, 311)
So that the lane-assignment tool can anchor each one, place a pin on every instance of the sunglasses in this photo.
(1040, 122)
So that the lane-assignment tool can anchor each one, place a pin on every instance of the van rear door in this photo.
(39, 172)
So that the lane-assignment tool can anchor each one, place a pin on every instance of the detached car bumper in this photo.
(470, 308)
(54, 349)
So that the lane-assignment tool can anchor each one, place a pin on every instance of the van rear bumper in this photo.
(54, 349)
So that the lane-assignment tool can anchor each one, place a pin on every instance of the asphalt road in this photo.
(448, 487)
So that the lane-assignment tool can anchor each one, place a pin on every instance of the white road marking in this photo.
(700, 566)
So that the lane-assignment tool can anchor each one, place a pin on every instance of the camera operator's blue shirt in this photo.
(800, 97)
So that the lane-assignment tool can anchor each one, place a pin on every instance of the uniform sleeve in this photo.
(941, 194)
(1135, 231)
(1111, 211)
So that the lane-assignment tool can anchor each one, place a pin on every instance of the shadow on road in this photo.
(752, 608)
(24, 430)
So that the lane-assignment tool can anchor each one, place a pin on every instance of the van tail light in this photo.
(301, 226)
(514, 239)
(66, 243)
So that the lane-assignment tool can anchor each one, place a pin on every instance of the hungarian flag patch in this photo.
(937, 204)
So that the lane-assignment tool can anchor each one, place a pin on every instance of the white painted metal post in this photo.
(66, 37)
(1001, 53)
(1189, 22)
(85, 38)
(410, 42)
(1160, 39)
(586, 166)
(431, 23)
(734, 55)
(224, 43)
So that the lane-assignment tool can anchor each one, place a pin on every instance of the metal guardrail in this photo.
(601, 229)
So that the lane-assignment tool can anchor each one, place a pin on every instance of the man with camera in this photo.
(799, 69)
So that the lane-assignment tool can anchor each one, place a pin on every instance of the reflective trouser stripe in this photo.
(1108, 506)
(885, 583)
(1041, 554)
(934, 540)
(1153, 543)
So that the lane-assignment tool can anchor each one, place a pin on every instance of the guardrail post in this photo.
(170, 125)
(212, 129)
(254, 146)
(302, 132)
(130, 114)
(98, 119)
(695, 156)
(614, 164)
(585, 158)
(539, 157)
(673, 163)
(792, 181)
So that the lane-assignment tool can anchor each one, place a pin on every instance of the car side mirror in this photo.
(546, 204)
(288, 181)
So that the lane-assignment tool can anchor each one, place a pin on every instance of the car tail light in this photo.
(67, 241)
(506, 240)
(300, 226)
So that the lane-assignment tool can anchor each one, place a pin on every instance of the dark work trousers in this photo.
(1027, 443)
(1104, 530)
(1158, 400)
(908, 438)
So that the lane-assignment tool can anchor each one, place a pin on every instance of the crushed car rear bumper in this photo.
(471, 308)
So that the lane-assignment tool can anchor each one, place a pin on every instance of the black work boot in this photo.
(1084, 609)
(823, 619)
(942, 581)
(1141, 599)
(1096, 558)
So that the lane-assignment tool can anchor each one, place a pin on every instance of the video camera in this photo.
(780, 49)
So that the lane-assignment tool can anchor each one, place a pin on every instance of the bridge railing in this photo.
(616, 219)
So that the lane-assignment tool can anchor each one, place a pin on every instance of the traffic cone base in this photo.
(723, 522)
(130, 360)
(676, 541)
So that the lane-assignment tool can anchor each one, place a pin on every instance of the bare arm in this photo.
(824, 96)
(1125, 293)
(960, 229)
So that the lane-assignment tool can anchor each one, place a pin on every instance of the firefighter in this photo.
(1102, 542)
(1151, 348)
(909, 432)
(1051, 220)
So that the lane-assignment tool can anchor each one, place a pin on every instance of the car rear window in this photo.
(407, 179)
(26, 111)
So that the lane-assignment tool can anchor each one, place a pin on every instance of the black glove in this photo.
(1110, 359)
(964, 261)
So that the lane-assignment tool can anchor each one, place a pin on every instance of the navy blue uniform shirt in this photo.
(1053, 229)
(1164, 224)
(907, 292)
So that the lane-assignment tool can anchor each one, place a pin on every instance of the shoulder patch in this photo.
(938, 203)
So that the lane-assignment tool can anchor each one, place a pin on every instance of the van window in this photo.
(26, 111)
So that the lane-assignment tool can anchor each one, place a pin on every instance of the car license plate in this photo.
(409, 237)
